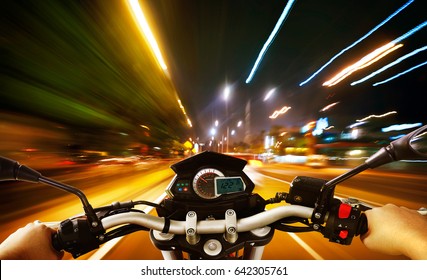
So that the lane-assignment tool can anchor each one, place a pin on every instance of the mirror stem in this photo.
(346, 175)
(89, 211)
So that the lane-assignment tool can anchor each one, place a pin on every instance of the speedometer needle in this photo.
(203, 179)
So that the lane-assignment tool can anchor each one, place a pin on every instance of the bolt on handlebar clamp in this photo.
(230, 226)
(191, 228)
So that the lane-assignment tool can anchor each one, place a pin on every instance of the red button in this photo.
(344, 211)
(343, 234)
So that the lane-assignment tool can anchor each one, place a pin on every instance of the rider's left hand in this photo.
(32, 242)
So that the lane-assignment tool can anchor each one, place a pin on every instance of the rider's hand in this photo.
(32, 242)
(396, 231)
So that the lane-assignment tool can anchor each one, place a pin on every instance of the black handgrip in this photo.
(362, 225)
(56, 243)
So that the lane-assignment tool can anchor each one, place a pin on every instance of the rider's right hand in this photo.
(396, 230)
(32, 242)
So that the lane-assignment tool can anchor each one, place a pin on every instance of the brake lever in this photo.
(363, 206)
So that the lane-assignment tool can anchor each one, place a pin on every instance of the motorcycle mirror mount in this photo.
(412, 146)
(11, 170)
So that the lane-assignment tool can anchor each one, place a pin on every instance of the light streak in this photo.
(185, 113)
(356, 42)
(190, 124)
(226, 93)
(143, 24)
(328, 107)
(379, 57)
(410, 32)
(398, 127)
(389, 65)
(356, 124)
(362, 63)
(270, 39)
(400, 74)
(397, 137)
(269, 94)
(308, 126)
(280, 112)
(377, 116)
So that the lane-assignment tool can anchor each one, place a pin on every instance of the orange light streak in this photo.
(362, 63)
(280, 112)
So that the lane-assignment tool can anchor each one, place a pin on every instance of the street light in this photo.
(269, 94)
(226, 93)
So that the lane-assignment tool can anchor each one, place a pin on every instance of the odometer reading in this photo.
(224, 185)
(204, 184)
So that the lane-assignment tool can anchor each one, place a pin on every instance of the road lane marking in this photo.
(300, 242)
(101, 252)
(280, 180)
(305, 246)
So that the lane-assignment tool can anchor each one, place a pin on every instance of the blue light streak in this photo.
(410, 32)
(270, 39)
(398, 127)
(356, 42)
(400, 74)
(397, 61)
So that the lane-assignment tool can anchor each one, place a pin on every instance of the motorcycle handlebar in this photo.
(74, 235)
(209, 226)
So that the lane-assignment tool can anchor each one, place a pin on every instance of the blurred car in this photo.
(119, 160)
(317, 161)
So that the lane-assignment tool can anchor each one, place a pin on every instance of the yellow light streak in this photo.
(328, 107)
(143, 24)
(280, 112)
(141, 21)
(380, 56)
(185, 113)
(377, 116)
(365, 61)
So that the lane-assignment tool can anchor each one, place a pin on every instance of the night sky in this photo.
(82, 63)
(213, 43)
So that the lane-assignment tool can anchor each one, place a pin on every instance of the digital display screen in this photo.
(224, 185)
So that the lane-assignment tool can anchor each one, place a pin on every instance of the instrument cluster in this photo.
(209, 176)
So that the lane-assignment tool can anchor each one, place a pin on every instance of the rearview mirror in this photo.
(409, 147)
(419, 143)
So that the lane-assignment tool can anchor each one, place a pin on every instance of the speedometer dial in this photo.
(204, 182)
